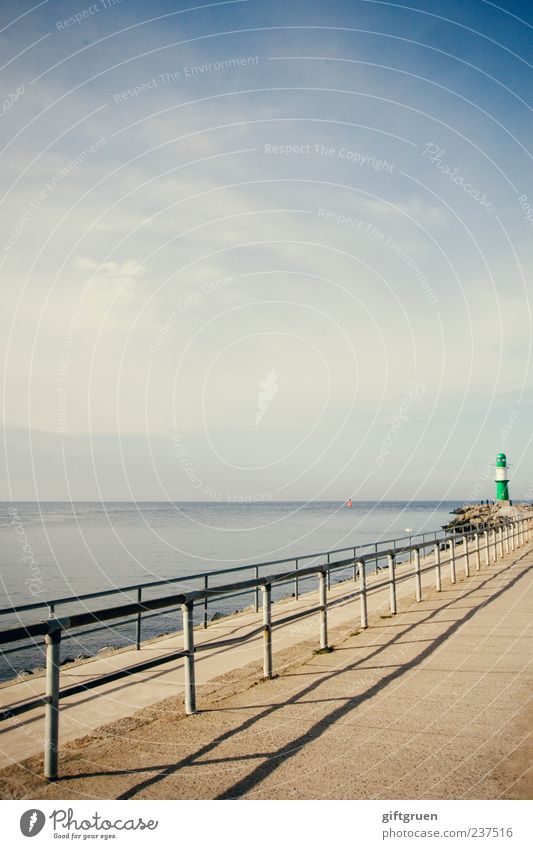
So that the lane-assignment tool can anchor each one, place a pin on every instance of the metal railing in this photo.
(207, 580)
(494, 542)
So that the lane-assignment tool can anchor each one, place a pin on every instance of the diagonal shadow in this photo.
(289, 749)
(240, 788)
(261, 772)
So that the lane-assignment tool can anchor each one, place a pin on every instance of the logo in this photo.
(268, 388)
(32, 822)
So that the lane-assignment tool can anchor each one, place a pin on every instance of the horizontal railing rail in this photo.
(494, 541)
(140, 589)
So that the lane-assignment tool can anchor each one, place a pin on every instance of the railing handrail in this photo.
(84, 618)
(15, 609)
(512, 534)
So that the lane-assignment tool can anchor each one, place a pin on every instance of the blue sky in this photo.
(330, 200)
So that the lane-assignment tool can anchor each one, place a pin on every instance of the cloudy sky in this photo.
(273, 250)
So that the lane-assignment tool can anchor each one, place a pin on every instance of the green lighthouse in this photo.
(502, 478)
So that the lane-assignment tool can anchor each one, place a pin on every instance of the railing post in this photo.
(494, 544)
(392, 582)
(505, 538)
(467, 563)
(266, 590)
(323, 602)
(486, 546)
(362, 594)
(206, 587)
(500, 540)
(188, 647)
(512, 536)
(329, 576)
(436, 549)
(418, 580)
(452, 561)
(478, 552)
(296, 582)
(257, 590)
(51, 711)
(138, 626)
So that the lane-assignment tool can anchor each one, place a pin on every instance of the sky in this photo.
(265, 251)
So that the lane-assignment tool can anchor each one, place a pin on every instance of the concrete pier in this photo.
(430, 703)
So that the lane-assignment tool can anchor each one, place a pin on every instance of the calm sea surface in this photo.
(50, 550)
